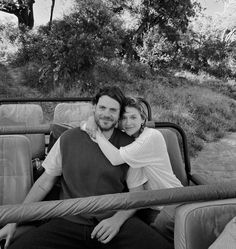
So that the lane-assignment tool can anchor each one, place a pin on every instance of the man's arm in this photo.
(37, 193)
(107, 229)
(41, 188)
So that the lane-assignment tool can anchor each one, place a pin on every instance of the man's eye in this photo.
(113, 110)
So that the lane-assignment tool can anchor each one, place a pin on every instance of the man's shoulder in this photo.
(72, 132)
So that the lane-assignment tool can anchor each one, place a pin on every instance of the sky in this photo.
(212, 6)
(42, 10)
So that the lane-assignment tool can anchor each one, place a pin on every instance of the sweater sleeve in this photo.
(135, 178)
(141, 152)
(53, 163)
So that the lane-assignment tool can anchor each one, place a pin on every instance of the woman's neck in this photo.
(137, 134)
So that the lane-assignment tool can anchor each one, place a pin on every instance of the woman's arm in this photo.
(136, 154)
(109, 150)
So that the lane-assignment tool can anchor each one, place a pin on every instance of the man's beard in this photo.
(99, 123)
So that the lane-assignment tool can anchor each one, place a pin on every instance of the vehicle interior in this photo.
(25, 139)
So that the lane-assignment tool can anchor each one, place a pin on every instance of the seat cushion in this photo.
(227, 238)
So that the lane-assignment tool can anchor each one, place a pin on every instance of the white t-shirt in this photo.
(53, 166)
(149, 152)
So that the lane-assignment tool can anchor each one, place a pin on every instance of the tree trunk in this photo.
(52, 9)
(25, 16)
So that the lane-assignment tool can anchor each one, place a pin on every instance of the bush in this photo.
(8, 40)
(74, 45)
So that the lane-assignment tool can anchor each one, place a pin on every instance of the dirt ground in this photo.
(217, 161)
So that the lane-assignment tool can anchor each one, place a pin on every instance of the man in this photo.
(84, 171)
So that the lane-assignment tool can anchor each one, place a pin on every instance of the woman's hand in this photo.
(91, 127)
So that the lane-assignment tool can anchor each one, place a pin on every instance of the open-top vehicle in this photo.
(26, 138)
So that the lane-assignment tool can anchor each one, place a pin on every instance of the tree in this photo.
(22, 9)
(89, 35)
(169, 17)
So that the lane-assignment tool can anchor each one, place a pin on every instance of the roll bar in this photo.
(64, 99)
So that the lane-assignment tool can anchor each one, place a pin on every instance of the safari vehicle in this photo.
(25, 139)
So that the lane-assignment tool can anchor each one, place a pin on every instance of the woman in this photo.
(148, 151)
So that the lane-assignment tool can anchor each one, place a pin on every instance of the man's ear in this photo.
(94, 108)
(119, 125)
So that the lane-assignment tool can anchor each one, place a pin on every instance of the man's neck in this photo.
(108, 134)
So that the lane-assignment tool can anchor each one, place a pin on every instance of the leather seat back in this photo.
(25, 115)
(175, 156)
(197, 225)
(72, 113)
(16, 176)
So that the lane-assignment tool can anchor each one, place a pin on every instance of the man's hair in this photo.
(113, 92)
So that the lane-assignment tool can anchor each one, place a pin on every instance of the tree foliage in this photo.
(162, 34)
(168, 17)
(74, 44)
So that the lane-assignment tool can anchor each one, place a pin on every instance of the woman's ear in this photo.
(144, 121)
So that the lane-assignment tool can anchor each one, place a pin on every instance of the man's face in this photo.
(107, 112)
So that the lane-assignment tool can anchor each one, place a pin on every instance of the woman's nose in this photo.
(128, 121)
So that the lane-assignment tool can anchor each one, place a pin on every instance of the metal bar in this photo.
(65, 99)
(26, 100)
(120, 201)
(40, 129)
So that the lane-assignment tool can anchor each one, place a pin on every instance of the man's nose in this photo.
(107, 113)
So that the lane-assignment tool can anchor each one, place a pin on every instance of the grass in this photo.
(10, 87)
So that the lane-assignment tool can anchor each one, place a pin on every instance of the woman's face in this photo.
(131, 120)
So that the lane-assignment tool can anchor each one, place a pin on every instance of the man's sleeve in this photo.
(53, 163)
(135, 178)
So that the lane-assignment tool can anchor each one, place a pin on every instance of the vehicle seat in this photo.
(175, 156)
(197, 225)
(16, 176)
(72, 113)
(174, 150)
(26, 115)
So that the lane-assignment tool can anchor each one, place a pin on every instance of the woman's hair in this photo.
(137, 104)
